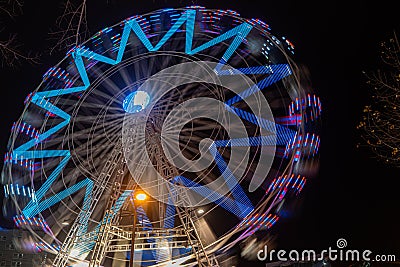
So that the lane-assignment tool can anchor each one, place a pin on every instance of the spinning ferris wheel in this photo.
(165, 139)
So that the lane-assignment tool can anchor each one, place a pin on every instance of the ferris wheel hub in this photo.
(136, 101)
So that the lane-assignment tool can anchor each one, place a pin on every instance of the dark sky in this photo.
(353, 197)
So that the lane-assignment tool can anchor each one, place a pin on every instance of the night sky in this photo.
(354, 196)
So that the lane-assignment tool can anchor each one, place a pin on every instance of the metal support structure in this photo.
(132, 252)
(99, 186)
(184, 213)
(110, 217)
(109, 231)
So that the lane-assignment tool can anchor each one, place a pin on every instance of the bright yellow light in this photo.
(141, 196)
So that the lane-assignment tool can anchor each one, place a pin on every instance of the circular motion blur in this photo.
(144, 138)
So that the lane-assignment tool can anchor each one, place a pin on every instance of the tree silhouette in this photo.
(380, 123)
(70, 30)
(71, 26)
(10, 52)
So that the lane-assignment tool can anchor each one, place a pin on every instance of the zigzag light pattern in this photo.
(235, 206)
(41, 98)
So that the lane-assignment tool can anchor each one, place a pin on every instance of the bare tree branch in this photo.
(72, 26)
(10, 53)
(380, 125)
(11, 8)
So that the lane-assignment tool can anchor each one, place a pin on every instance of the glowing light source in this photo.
(65, 223)
(200, 211)
(141, 196)
(136, 101)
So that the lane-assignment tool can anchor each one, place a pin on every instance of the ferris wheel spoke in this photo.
(84, 134)
(109, 118)
(101, 125)
(170, 125)
(126, 77)
(106, 81)
(205, 126)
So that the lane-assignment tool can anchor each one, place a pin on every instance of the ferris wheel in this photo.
(164, 139)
